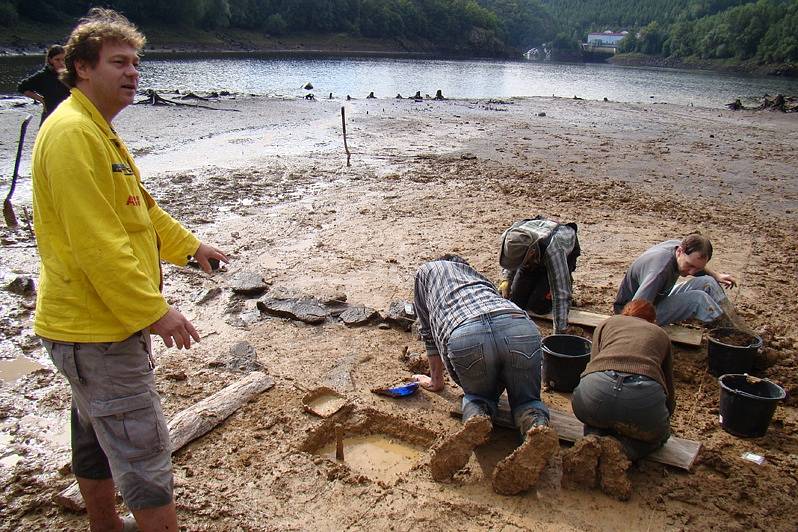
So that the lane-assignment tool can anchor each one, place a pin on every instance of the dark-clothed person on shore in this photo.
(45, 86)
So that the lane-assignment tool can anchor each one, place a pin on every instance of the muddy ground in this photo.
(267, 181)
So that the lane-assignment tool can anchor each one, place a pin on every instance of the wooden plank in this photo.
(677, 452)
(677, 333)
(192, 423)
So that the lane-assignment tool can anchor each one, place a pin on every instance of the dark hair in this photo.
(696, 242)
(53, 51)
(87, 39)
(640, 308)
(451, 257)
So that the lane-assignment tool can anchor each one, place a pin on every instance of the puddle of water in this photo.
(327, 405)
(11, 370)
(376, 456)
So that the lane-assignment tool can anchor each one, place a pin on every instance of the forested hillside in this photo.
(763, 31)
(450, 24)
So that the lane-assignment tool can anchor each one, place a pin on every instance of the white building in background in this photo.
(608, 39)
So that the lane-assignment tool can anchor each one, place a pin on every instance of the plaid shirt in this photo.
(446, 295)
(555, 260)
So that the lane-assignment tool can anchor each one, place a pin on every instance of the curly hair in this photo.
(86, 40)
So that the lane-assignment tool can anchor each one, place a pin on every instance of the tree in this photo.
(8, 14)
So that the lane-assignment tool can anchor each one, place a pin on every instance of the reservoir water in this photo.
(386, 77)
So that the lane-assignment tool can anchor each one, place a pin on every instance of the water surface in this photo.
(262, 74)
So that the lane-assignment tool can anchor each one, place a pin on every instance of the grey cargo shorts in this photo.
(118, 426)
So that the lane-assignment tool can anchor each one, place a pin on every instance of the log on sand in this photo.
(192, 423)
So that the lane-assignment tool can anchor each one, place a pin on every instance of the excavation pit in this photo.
(375, 445)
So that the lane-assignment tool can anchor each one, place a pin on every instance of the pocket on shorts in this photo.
(63, 357)
(525, 350)
(132, 425)
(468, 362)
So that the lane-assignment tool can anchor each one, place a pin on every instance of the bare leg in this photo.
(158, 519)
(100, 499)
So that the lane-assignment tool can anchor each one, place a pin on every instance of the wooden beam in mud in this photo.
(677, 333)
(192, 423)
(677, 452)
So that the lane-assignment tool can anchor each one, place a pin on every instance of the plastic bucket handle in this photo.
(750, 395)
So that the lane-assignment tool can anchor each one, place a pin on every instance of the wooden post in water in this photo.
(339, 442)
(343, 123)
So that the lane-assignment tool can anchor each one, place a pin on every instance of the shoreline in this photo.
(692, 64)
(248, 42)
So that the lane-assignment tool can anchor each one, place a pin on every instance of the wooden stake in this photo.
(339, 443)
(343, 123)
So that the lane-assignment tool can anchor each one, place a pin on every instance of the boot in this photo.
(531, 418)
(475, 408)
(580, 463)
(613, 465)
(451, 454)
(521, 469)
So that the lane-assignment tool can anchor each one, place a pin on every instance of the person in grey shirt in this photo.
(488, 345)
(652, 277)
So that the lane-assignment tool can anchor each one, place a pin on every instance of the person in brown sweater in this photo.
(625, 397)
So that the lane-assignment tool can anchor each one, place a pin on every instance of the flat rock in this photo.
(248, 283)
(401, 313)
(360, 315)
(22, 285)
(203, 296)
(307, 310)
(242, 357)
(340, 376)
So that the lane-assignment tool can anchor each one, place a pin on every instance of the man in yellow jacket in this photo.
(101, 237)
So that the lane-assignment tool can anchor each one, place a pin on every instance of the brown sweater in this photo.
(633, 345)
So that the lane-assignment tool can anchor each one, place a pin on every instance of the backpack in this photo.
(519, 237)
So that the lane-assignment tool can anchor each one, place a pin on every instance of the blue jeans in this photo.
(491, 353)
(698, 298)
(630, 407)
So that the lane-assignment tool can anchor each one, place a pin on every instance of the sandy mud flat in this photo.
(266, 180)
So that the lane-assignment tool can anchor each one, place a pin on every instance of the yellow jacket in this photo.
(99, 233)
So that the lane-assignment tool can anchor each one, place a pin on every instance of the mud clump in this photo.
(580, 463)
(414, 362)
(451, 455)
(520, 470)
(613, 465)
